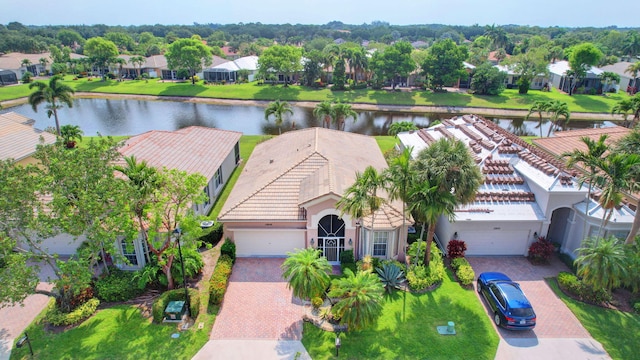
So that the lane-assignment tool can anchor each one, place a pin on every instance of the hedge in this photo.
(576, 287)
(118, 285)
(229, 249)
(175, 295)
(82, 312)
(219, 279)
(213, 234)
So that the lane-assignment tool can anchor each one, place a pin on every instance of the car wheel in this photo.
(496, 319)
(478, 287)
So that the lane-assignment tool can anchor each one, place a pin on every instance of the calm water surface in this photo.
(130, 117)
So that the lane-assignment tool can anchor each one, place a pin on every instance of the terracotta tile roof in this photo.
(13, 61)
(297, 167)
(18, 138)
(194, 149)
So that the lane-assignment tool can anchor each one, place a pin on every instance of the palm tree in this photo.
(590, 160)
(121, 63)
(278, 109)
(602, 263)
(51, 93)
(362, 198)
(44, 62)
(539, 106)
(630, 144)
(360, 296)
(633, 70)
(399, 177)
(617, 175)
(624, 107)
(25, 63)
(341, 112)
(401, 126)
(137, 60)
(497, 35)
(307, 273)
(324, 111)
(70, 133)
(448, 165)
(556, 110)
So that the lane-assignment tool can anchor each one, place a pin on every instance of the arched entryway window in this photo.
(331, 237)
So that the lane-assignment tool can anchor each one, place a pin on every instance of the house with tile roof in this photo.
(286, 197)
(526, 193)
(19, 139)
(213, 153)
(627, 81)
(560, 79)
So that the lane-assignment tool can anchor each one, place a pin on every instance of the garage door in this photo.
(497, 243)
(267, 243)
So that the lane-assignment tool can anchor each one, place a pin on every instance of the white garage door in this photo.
(267, 243)
(497, 243)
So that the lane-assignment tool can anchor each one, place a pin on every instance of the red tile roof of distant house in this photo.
(18, 137)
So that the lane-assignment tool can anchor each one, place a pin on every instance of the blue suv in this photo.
(510, 307)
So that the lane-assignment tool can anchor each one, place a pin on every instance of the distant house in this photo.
(420, 44)
(627, 82)
(511, 80)
(559, 79)
(14, 63)
(211, 152)
(19, 139)
(493, 58)
(8, 77)
(285, 199)
(225, 70)
(465, 81)
(526, 193)
(229, 53)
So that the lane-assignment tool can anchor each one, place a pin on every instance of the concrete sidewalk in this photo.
(550, 349)
(246, 349)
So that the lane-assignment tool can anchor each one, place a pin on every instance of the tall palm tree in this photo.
(399, 177)
(558, 109)
(307, 273)
(616, 176)
(360, 302)
(633, 70)
(624, 107)
(341, 112)
(25, 63)
(52, 93)
(324, 111)
(630, 144)
(278, 109)
(538, 106)
(120, 62)
(590, 160)
(137, 60)
(44, 62)
(448, 164)
(602, 263)
(362, 198)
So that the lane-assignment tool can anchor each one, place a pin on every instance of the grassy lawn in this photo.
(407, 329)
(509, 99)
(116, 333)
(617, 331)
(386, 143)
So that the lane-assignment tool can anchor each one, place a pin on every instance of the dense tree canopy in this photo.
(189, 55)
(395, 61)
(443, 64)
(280, 59)
(487, 80)
(100, 51)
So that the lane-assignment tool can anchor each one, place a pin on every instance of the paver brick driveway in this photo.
(554, 319)
(257, 304)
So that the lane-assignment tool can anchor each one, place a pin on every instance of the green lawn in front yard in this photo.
(407, 329)
(509, 99)
(617, 331)
(119, 332)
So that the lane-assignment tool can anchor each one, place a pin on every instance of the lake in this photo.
(131, 117)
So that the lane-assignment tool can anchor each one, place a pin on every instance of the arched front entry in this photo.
(331, 237)
(558, 228)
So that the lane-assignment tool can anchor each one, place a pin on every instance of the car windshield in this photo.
(522, 312)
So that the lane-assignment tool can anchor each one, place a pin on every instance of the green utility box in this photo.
(174, 311)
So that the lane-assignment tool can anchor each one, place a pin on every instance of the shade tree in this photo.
(189, 55)
(444, 64)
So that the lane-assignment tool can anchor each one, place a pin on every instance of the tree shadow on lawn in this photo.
(383, 97)
(183, 89)
(592, 103)
(275, 92)
(95, 85)
(348, 96)
(445, 98)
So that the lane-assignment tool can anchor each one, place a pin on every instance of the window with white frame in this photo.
(218, 178)
(380, 241)
(129, 252)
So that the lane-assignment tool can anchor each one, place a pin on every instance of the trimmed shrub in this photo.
(420, 278)
(219, 279)
(229, 249)
(347, 256)
(576, 287)
(397, 263)
(636, 307)
(56, 317)
(175, 295)
(118, 285)
(368, 263)
(456, 249)
(457, 262)
(352, 266)
(213, 234)
(540, 251)
(465, 275)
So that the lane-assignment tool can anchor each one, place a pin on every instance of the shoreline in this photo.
(442, 109)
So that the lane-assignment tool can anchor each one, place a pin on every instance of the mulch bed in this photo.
(621, 299)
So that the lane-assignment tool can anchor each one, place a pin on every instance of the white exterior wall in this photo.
(228, 166)
(491, 237)
(268, 243)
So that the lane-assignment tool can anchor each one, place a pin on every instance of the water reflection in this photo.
(128, 117)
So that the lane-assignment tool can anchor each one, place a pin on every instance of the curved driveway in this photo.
(558, 333)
